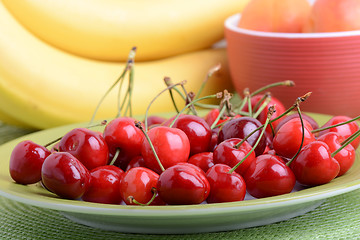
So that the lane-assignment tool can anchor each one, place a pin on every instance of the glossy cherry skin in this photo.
(309, 119)
(227, 154)
(203, 160)
(121, 133)
(213, 114)
(138, 183)
(287, 139)
(214, 139)
(197, 130)
(171, 145)
(87, 146)
(225, 186)
(346, 157)
(65, 176)
(104, 185)
(269, 176)
(183, 184)
(344, 130)
(279, 107)
(137, 161)
(26, 161)
(314, 165)
(240, 128)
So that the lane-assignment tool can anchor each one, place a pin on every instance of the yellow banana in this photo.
(4, 118)
(44, 87)
(107, 29)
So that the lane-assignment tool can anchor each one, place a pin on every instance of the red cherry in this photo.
(309, 119)
(279, 106)
(197, 130)
(87, 146)
(137, 161)
(213, 114)
(155, 121)
(26, 161)
(214, 139)
(65, 176)
(183, 184)
(203, 160)
(122, 134)
(225, 186)
(314, 165)
(227, 154)
(104, 185)
(287, 140)
(138, 183)
(269, 176)
(344, 130)
(346, 157)
(240, 128)
(171, 145)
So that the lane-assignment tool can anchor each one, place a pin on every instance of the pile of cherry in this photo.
(183, 160)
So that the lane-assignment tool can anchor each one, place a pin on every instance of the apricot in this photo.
(275, 15)
(334, 16)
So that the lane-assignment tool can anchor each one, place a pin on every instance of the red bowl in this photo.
(326, 64)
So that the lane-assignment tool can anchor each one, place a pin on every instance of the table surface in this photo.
(337, 218)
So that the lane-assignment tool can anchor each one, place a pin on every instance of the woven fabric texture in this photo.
(337, 218)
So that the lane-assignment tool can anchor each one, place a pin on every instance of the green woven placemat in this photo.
(337, 218)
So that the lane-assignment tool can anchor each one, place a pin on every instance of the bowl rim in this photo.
(231, 24)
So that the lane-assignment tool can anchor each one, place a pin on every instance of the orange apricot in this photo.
(334, 16)
(275, 15)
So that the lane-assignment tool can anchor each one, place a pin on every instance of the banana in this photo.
(107, 29)
(45, 87)
(4, 118)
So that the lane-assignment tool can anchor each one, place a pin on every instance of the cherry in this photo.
(183, 184)
(26, 161)
(122, 135)
(203, 160)
(87, 146)
(287, 139)
(309, 119)
(345, 130)
(240, 128)
(314, 164)
(346, 156)
(138, 184)
(155, 121)
(197, 130)
(226, 153)
(214, 139)
(212, 115)
(65, 175)
(258, 100)
(137, 161)
(104, 185)
(268, 176)
(225, 186)
(170, 144)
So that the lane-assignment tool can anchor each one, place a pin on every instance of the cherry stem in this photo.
(262, 99)
(346, 142)
(113, 160)
(168, 83)
(302, 136)
(210, 73)
(248, 101)
(214, 124)
(350, 138)
(52, 142)
(267, 99)
(218, 95)
(335, 125)
(288, 83)
(138, 125)
(120, 78)
(133, 200)
(151, 102)
(270, 113)
(189, 100)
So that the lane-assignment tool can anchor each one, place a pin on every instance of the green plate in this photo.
(172, 219)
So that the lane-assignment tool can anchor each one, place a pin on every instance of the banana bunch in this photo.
(56, 64)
